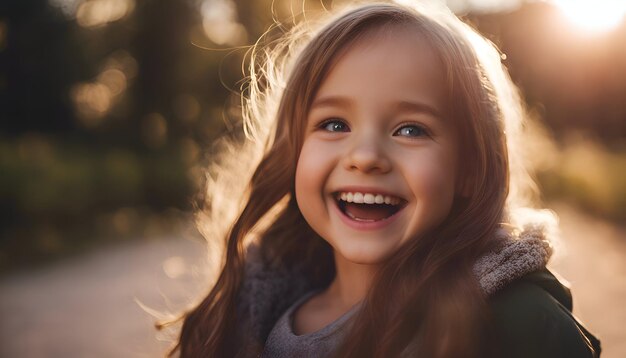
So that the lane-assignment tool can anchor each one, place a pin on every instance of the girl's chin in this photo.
(363, 253)
(365, 260)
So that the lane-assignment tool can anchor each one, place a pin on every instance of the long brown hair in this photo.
(437, 308)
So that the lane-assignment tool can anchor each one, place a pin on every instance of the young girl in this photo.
(384, 216)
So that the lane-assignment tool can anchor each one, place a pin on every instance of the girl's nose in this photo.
(367, 156)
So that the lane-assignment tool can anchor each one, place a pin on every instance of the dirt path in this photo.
(86, 307)
(592, 257)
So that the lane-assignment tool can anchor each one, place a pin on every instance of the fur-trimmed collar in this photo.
(266, 292)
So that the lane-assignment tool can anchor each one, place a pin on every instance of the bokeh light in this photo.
(94, 13)
(219, 20)
(174, 267)
(94, 100)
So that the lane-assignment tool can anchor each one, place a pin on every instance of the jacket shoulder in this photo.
(532, 318)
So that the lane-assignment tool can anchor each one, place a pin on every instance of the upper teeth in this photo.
(368, 198)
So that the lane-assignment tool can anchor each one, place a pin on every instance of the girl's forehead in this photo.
(386, 65)
(409, 44)
(394, 36)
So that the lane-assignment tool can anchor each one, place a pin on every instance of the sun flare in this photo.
(593, 16)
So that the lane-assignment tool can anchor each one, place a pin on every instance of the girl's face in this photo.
(379, 158)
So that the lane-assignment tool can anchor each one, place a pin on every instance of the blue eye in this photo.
(411, 131)
(334, 125)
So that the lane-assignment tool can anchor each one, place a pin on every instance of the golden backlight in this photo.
(593, 16)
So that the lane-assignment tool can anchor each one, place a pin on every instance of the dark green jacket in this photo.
(530, 307)
(533, 319)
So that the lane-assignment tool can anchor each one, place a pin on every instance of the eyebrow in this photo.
(332, 101)
(401, 106)
(418, 107)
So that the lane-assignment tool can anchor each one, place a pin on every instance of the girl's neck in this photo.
(351, 282)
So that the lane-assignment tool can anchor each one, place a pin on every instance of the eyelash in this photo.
(325, 123)
(422, 129)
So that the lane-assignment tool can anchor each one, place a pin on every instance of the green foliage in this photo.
(590, 177)
(53, 193)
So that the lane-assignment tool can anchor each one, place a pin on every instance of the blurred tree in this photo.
(39, 61)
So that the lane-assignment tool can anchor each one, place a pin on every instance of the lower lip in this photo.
(365, 225)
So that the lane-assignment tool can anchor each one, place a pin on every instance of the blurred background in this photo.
(108, 109)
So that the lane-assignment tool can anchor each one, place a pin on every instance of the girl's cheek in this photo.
(433, 175)
(314, 164)
(318, 153)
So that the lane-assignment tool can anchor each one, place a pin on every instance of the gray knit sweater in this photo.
(283, 342)
(269, 297)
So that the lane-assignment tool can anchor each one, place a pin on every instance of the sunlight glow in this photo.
(593, 16)
(482, 6)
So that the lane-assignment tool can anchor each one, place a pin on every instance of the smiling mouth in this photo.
(368, 207)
